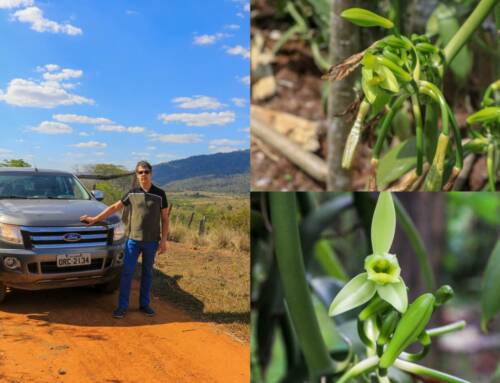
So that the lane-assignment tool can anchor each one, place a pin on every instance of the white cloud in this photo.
(222, 149)
(52, 67)
(121, 129)
(131, 12)
(225, 141)
(64, 74)
(48, 68)
(151, 147)
(224, 145)
(135, 129)
(245, 80)
(44, 94)
(90, 144)
(80, 119)
(199, 119)
(198, 102)
(4, 152)
(245, 130)
(176, 138)
(166, 156)
(51, 127)
(240, 102)
(34, 16)
(8, 4)
(246, 7)
(232, 26)
(208, 39)
(84, 134)
(238, 50)
(111, 128)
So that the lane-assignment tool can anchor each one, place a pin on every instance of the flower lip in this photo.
(382, 268)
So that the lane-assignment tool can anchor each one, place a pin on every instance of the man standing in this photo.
(148, 204)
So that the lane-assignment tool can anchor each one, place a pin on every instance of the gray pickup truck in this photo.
(44, 245)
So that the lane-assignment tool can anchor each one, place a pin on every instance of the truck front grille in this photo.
(66, 237)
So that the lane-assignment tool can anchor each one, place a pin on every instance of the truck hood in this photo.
(50, 212)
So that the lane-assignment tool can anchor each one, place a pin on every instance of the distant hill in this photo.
(223, 172)
(237, 183)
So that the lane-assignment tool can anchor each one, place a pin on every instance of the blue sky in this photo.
(118, 81)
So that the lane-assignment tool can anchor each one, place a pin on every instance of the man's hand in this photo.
(162, 246)
(88, 220)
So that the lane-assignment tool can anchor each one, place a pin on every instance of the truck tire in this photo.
(109, 287)
(3, 292)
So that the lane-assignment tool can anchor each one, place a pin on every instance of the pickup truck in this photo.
(44, 245)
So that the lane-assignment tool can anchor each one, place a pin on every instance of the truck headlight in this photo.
(11, 233)
(118, 231)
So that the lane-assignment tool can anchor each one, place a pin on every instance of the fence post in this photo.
(201, 230)
(191, 220)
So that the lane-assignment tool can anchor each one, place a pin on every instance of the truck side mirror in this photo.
(98, 195)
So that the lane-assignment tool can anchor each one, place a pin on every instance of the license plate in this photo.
(67, 260)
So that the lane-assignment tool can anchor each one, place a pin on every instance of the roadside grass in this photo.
(208, 275)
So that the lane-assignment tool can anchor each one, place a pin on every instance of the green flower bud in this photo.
(382, 269)
(409, 328)
(389, 324)
(443, 294)
(491, 113)
(366, 18)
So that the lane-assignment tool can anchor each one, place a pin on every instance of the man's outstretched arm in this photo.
(89, 220)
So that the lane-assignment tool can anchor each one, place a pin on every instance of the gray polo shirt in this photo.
(145, 216)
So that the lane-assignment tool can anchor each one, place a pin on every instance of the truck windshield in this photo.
(41, 186)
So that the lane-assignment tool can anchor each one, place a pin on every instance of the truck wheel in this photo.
(109, 287)
(3, 292)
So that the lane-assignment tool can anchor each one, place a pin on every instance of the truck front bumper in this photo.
(38, 269)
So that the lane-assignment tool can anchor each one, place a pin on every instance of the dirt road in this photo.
(69, 336)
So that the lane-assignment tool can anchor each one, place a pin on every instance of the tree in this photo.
(15, 163)
(113, 189)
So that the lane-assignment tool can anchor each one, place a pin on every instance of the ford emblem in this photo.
(72, 237)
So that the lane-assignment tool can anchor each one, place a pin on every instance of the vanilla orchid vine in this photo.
(398, 69)
(382, 274)
(388, 325)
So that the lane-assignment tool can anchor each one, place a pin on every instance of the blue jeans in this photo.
(132, 251)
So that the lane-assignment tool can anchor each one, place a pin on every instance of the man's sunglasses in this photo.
(141, 172)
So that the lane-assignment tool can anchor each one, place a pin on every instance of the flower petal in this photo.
(383, 224)
(357, 291)
(395, 294)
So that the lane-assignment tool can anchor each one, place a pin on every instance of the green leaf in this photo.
(327, 258)
(401, 124)
(357, 291)
(490, 303)
(381, 100)
(383, 224)
(390, 82)
(397, 162)
(370, 91)
(369, 61)
(491, 113)
(366, 18)
(395, 294)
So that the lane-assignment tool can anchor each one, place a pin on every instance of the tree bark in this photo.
(344, 42)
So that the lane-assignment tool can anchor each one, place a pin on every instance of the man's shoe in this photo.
(119, 312)
(147, 310)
